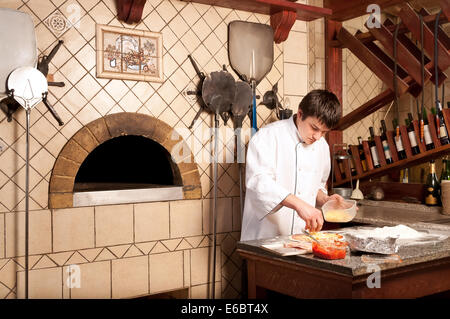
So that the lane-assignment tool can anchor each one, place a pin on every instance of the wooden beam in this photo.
(386, 59)
(404, 57)
(445, 5)
(443, 37)
(304, 12)
(368, 37)
(281, 23)
(366, 109)
(349, 9)
(333, 79)
(412, 21)
(377, 66)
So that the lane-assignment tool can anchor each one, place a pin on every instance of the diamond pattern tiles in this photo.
(188, 28)
(360, 85)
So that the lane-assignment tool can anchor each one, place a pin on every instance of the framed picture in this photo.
(128, 54)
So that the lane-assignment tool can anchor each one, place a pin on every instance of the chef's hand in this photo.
(337, 197)
(312, 217)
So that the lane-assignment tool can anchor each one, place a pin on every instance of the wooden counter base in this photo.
(301, 281)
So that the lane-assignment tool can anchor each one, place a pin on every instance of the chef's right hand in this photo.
(312, 217)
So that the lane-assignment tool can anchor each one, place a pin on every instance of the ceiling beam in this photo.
(349, 9)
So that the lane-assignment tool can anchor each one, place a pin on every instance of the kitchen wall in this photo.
(110, 243)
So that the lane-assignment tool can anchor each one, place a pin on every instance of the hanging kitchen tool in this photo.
(250, 51)
(270, 100)
(396, 109)
(422, 66)
(28, 87)
(19, 49)
(239, 109)
(218, 93)
(45, 61)
(198, 91)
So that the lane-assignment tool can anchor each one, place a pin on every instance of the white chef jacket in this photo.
(279, 164)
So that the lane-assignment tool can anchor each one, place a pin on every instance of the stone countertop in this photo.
(383, 213)
(356, 263)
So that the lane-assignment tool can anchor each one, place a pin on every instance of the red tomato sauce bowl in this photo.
(329, 249)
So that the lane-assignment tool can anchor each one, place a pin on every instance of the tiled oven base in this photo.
(122, 251)
(126, 271)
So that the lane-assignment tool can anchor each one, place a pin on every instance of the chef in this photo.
(288, 164)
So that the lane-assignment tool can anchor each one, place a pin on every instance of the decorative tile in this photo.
(132, 252)
(57, 23)
(159, 248)
(44, 262)
(76, 259)
(105, 255)
(146, 247)
(119, 251)
(61, 258)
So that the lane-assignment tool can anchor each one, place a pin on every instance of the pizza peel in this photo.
(250, 51)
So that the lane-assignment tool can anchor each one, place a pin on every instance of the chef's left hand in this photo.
(337, 197)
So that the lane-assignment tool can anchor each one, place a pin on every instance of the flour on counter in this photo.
(400, 231)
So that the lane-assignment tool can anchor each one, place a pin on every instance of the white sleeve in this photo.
(261, 184)
(325, 169)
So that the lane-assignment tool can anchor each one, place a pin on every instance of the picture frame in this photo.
(129, 54)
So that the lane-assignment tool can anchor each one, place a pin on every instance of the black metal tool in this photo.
(46, 59)
(52, 110)
(198, 91)
(9, 106)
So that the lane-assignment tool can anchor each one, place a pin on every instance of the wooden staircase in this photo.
(366, 46)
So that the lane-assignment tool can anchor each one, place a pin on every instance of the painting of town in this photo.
(129, 54)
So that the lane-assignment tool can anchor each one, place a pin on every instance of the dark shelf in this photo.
(269, 7)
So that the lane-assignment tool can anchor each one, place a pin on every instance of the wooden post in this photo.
(333, 74)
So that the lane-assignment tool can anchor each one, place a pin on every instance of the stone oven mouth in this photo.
(127, 168)
(124, 158)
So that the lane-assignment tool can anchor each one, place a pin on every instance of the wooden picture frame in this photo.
(128, 54)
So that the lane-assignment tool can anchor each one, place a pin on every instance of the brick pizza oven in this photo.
(119, 153)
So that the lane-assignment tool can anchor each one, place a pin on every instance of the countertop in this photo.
(384, 213)
(376, 214)
(360, 263)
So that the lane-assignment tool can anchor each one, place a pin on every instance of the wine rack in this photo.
(410, 160)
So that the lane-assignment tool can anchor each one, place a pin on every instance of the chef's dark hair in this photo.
(322, 104)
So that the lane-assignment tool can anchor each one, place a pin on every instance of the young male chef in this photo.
(288, 164)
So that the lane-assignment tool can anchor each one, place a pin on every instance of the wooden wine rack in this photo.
(411, 160)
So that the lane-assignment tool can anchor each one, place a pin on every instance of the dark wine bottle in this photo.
(352, 163)
(432, 187)
(362, 155)
(387, 151)
(442, 129)
(373, 149)
(426, 132)
(412, 135)
(445, 174)
(398, 142)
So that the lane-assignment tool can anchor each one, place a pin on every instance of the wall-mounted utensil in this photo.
(250, 51)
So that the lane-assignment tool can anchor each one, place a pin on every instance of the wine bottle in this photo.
(373, 149)
(412, 135)
(352, 163)
(362, 155)
(426, 132)
(387, 152)
(441, 130)
(398, 142)
(432, 187)
(445, 175)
